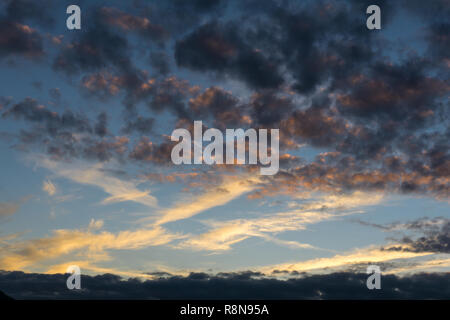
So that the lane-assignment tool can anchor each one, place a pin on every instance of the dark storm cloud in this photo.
(402, 93)
(338, 172)
(104, 42)
(159, 94)
(219, 48)
(316, 48)
(268, 108)
(19, 39)
(313, 70)
(95, 48)
(311, 51)
(220, 105)
(389, 130)
(380, 104)
(106, 83)
(129, 22)
(66, 135)
(31, 111)
(428, 234)
(311, 44)
(147, 151)
(103, 149)
(245, 285)
(315, 126)
(170, 94)
(67, 147)
(17, 36)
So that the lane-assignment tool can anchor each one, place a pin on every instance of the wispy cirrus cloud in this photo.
(222, 235)
(119, 190)
(91, 243)
(344, 261)
(231, 188)
(8, 209)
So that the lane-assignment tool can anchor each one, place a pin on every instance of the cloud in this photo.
(19, 39)
(435, 236)
(230, 189)
(314, 125)
(378, 109)
(338, 172)
(49, 187)
(423, 266)
(371, 255)
(30, 110)
(238, 285)
(95, 48)
(219, 48)
(119, 190)
(128, 22)
(369, 109)
(89, 243)
(222, 235)
(218, 103)
(66, 135)
(386, 86)
(88, 267)
(321, 81)
(8, 209)
(357, 199)
(428, 234)
(95, 224)
(147, 151)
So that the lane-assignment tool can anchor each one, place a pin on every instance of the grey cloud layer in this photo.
(240, 285)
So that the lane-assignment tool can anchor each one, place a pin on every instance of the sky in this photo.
(86, 118)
